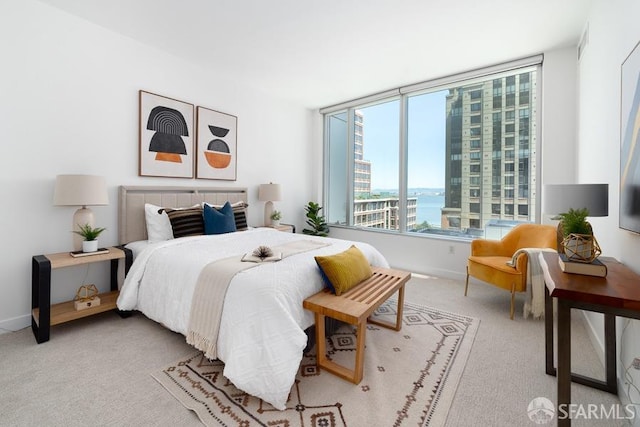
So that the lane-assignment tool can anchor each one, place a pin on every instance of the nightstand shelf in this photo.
(43, 314)
(66, 311)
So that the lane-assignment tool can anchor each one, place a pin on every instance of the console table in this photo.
(617, 294)
(43, 314)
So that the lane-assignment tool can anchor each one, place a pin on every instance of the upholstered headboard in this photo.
(131, 222)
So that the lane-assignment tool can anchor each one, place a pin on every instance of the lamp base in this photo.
(82, 216)
(268, 210)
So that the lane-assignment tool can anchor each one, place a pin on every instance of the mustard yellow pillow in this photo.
(343, 271)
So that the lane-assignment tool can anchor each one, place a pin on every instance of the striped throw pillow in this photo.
(186, 222)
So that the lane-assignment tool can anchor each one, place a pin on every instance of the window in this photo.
(461, 169)
(524, 88)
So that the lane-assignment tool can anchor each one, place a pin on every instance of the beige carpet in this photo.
(410, 378)
(97, 370)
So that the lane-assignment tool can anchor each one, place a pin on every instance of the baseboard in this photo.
(15, 324)
(438, 272)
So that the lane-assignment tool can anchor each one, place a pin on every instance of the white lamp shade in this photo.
(562, 197)
(269, 193)
(80, 190)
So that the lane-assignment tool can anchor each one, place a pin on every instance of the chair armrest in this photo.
(522, 261)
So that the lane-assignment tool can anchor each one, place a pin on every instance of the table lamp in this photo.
(269, 193)
(83, 191)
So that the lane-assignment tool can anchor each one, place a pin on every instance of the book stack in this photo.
(77, 254)
(593, 268)
(250, 257)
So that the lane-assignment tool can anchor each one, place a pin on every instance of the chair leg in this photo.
(466, 284)
(513, 296)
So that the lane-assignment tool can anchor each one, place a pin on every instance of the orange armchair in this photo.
(488, 260)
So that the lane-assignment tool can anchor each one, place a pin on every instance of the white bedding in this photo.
(262, 327)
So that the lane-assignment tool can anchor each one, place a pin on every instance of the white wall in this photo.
(448, 258)
(613, 33)
(69, 92)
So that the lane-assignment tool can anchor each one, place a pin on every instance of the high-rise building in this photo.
(490, 152)
(369, 210)
(362, 171)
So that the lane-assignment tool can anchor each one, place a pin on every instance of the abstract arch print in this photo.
(169, 126)
(166, 141)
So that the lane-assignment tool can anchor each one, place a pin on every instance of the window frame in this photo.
(513, 68)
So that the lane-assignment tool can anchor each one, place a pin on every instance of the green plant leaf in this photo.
(89, 233)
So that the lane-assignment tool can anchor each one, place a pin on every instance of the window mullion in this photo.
(403, 191)
(351, 126)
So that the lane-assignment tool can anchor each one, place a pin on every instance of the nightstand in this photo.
(287, 228)
(43, 314)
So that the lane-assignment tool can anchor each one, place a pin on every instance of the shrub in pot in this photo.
(90, 236)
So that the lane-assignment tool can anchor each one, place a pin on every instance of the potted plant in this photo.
(578, 242)
(276, 216)
(90, 236)
(316, 221)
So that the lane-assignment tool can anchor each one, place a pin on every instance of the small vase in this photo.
(275, 222)
(89, 246)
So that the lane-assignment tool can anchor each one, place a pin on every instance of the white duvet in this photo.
(261, 335)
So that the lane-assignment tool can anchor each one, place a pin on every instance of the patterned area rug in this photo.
(410, 378)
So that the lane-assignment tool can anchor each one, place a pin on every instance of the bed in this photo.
(261, 328)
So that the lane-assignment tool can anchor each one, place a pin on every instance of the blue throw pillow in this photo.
(219, 221)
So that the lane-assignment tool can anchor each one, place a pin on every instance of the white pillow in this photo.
(158, 224)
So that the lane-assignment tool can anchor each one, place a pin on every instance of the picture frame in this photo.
(629, 208)
(166, 138)
(217, 145)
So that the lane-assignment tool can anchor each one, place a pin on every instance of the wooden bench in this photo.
(354, 307)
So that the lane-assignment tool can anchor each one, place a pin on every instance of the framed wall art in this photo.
(630, 142)
(217, 150)
(166, 137)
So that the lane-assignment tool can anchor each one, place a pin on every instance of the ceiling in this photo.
(319, 53)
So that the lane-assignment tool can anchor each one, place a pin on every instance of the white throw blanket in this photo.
(535, 281)
(211, 288)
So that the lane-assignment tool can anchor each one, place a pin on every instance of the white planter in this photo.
(275, 222)
(89, 246)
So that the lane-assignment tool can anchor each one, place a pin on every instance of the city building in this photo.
(490, 147)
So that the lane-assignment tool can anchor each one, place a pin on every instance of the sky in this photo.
(426, 140)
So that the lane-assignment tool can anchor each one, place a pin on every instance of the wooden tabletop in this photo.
(619, 289)
(64, 259)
